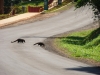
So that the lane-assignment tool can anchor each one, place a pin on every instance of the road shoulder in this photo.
(52, 47)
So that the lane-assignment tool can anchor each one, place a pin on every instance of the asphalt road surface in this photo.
(27, 59)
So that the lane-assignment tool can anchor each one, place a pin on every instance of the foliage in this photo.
(3, 16)
(94, 3)
(18, 9)
(8, 4)
(18, 4)
(15, 2)
(31, 3)
(11, 2)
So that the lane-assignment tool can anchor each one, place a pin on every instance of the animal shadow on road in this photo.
(92, 70)
(42, 37)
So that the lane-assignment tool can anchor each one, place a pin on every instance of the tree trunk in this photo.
(1, 6)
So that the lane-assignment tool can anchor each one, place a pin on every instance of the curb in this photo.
(3, 22)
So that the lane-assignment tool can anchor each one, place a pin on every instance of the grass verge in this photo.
(72, 45)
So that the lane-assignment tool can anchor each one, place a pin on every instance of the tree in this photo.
(95, 7)
(1, 6)
(9, 2)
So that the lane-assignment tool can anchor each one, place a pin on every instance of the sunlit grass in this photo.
(73, 44)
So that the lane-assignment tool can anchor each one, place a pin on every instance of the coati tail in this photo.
(19, 41)
(35, 43)
(13, 41)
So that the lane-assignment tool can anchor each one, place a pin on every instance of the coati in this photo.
(40, 44)
(19, 41)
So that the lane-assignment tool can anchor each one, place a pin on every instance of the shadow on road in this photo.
(92, 70)
(41, 37)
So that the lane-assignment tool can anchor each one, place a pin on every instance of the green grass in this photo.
(32, 3)
(74, 46)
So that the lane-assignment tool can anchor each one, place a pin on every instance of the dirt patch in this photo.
(50, 45)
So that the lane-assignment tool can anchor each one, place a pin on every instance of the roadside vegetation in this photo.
(25, 4)
(83, 44)
(18, 7)
(32, 3)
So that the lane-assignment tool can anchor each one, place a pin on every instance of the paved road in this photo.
(26, 59)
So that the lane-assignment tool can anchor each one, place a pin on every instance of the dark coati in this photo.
(40, 44)
(19, 41)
